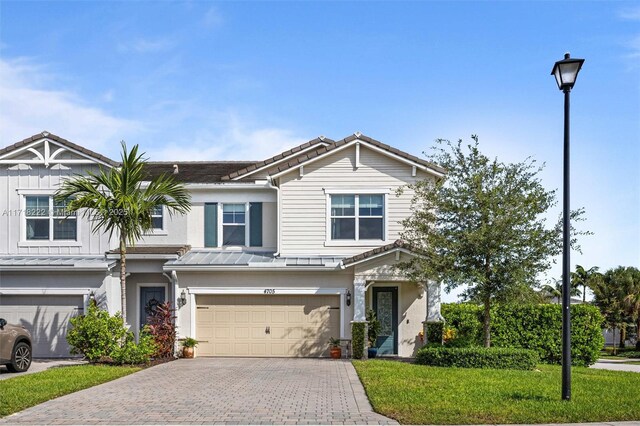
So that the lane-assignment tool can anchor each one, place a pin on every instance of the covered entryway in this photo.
(46, 317)
(266, 325)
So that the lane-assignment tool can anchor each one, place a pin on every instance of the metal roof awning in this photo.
(248, 260)
(55, 263)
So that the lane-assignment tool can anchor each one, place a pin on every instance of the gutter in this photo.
(278, 201)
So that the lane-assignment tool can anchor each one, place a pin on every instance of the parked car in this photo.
(15, 347)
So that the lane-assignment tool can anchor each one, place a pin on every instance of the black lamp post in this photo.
(566, 71)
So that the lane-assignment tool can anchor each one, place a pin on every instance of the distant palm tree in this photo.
(120, 200)
(555, 291)
(584, 278)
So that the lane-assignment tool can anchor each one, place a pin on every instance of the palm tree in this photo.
(582, 277)
(631, 301)
(610, 294)
(120, 200)
(555, 290)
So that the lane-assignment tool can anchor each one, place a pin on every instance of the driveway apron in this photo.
(218, 390)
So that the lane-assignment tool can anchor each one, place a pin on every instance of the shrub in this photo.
(477, 357)
(466, 322)
(96, 334)
(163, 329)
(131, 353)
(435, 332)
(373, 327)
(536, 327)
(358, 340)
(539, 327)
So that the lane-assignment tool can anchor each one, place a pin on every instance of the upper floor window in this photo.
(357, 217)
(157, 218)
(47, 219)
(233, 225)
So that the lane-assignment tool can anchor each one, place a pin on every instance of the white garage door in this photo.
(46, 317)
(266, 326)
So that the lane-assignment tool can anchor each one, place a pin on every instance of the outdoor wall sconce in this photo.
(348, 298)
(183, 299)
(92, 297)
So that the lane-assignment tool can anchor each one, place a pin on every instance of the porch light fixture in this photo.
(183, 299)
(92, 297)
(348, 298)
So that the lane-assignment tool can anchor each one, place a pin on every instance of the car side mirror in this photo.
(3, 322)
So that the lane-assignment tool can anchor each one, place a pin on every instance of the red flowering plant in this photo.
(162, 327)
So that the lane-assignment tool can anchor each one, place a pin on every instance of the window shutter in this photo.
(255, 224)
(211, 224)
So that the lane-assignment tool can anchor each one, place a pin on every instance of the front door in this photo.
(150, 297)
(385, 305)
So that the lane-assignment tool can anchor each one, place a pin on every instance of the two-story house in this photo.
(275, 257)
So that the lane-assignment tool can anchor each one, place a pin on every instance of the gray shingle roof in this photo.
(194, 171)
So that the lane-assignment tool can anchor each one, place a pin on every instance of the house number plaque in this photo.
(269, 291)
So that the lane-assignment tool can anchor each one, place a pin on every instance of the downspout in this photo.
(272, 186)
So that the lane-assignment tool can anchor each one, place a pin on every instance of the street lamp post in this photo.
(566, 71)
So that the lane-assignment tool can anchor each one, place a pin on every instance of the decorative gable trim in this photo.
(51, 148)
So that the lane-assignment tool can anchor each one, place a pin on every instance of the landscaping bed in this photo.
(21, 392)
(418, 394)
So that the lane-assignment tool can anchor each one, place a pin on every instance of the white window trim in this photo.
(247, 233)
(24, 242)
(357, 242)
(159, 231)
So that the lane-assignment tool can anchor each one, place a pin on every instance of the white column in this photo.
(359, 305)
(433, 301)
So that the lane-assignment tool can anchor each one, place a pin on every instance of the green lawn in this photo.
(26, 391)
(417, 394)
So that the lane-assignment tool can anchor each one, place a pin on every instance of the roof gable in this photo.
(48, 149)
(356, 138)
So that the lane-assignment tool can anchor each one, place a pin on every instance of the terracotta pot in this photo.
(336, 352)
(187, 352)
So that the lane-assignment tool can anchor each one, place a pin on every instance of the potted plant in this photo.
(373, 328)
(188, 345)
(336, 350)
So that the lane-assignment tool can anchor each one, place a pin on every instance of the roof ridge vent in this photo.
(175, 169)
(357, 134)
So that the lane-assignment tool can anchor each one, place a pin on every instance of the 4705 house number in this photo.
(269, 291)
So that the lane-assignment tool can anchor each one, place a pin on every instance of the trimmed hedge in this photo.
(434, 332)
(536, 327)
(358, 340)
(476, 357)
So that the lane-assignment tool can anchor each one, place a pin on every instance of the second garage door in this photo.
(266, 326)
(46, 317)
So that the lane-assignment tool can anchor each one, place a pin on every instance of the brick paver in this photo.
(218, 391)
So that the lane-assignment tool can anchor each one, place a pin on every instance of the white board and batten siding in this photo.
(304, 199)
(21, 177)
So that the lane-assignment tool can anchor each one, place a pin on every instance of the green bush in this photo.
(466, 321)
(434, 332)
(96, 334)
(358, 340)
(477, 357)
(536, 327)
(539, 327)
(132, 353)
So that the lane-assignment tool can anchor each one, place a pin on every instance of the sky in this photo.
(201, 80)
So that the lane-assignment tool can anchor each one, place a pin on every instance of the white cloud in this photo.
(231, 138)
(212, 17)
(141, 45)
(630, 14)
(28, 107)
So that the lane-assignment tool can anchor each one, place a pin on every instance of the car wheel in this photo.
(20, 359)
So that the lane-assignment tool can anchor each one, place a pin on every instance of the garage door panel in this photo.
(46, 317)
(256, 325)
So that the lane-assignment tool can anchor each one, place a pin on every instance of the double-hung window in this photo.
(357, 217)
(157, 218)
(48, 219)
(233, 224)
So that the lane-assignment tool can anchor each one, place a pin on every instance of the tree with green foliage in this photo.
(482, 225)
(584, 277)
(616, 294)
(555, 291)
(120, 201)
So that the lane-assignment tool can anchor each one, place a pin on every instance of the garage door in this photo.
(266, 326)
(46, 317)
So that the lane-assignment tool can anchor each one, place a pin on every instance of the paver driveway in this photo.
(219, 390)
